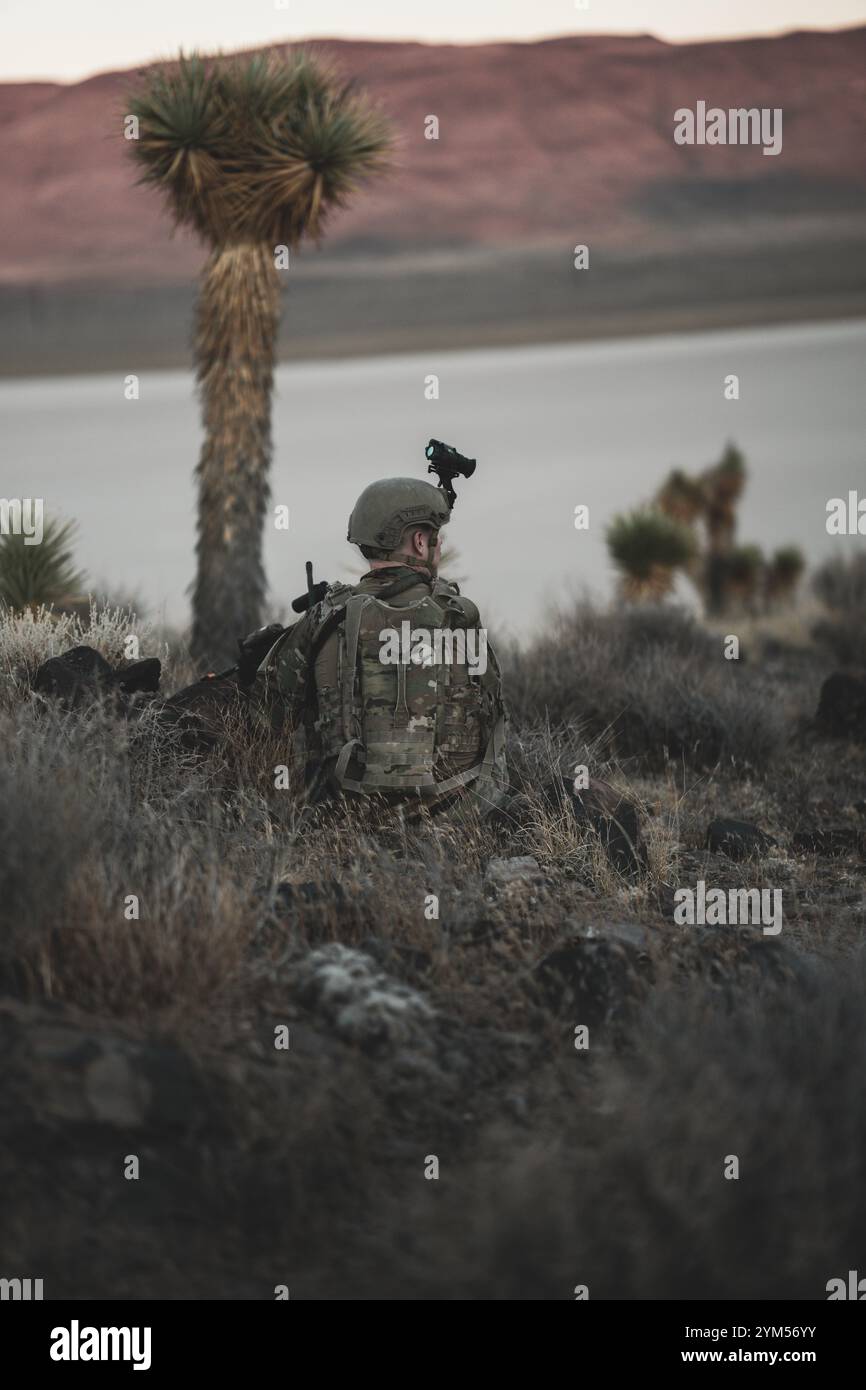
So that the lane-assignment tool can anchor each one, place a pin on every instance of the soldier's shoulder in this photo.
(445, 586)
(338, 592)
(449, 594)
(335, 599)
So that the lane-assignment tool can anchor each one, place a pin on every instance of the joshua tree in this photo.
(648, 547)
(744, 570)
(251, 154)
(783, 574)
(31, 575)
(722, 486)
(681, 497)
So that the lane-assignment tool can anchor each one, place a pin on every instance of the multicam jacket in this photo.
(428, 725)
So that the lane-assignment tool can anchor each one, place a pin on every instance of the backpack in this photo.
(390, 723)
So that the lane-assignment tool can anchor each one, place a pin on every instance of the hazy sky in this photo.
(69, 39)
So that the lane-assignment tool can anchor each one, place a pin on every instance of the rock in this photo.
(830, 840)
(738, 839)
(363, 1003)
(841, 711)
(732, 961)
(115, 1094)
(77, 677)
(615, 820)
(69, 1069)
(503, 873)
(626, 933)
(593, 979)
(139, 676)
(80, 676)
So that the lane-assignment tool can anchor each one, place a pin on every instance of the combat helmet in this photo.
(384, 510)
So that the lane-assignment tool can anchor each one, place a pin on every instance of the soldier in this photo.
(415, 721)
(410, 732)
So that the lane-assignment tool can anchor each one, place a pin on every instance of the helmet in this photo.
(384, 510)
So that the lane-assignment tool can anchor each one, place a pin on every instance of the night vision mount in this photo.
(447, 464)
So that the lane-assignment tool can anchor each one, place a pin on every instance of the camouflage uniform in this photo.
(450, 740)
(404, 734)
(400, 731)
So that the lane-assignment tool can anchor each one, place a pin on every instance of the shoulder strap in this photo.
(399, 586)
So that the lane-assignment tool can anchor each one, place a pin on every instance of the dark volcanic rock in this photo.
(77, 677)
(594, 979)
(139, 676)
(615, 819)
(62, 1068)
(80, 676)
(841, 711)
(737, 839)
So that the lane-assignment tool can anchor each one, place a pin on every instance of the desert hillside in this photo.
(469, 240)
(539, 143)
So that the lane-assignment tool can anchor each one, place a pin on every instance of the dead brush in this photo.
(30, 637)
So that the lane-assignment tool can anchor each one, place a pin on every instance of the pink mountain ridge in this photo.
(557, 141)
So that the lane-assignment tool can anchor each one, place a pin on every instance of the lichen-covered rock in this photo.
(363, 1003)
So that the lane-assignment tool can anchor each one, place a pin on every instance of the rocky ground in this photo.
(449, 1060)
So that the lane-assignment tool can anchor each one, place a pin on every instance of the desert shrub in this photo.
(83, 829)
(841, 586)
(627, 1195)
(651, 684)
(47, 820)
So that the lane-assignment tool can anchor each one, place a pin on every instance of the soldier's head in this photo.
(398, 521)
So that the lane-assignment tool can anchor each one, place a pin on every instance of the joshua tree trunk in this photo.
(235, 335)
(721, 528)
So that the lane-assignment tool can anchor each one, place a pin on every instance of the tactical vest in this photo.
(391, 723)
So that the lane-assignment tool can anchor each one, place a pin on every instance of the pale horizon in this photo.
(54, 43)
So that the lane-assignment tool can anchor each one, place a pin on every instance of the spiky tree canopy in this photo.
(643, 539)
(724, 482)
(681, 496)
(784, 572)
(647, 546)
(789, 562)
(256, 149)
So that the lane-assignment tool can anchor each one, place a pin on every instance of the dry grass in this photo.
(307, 1166)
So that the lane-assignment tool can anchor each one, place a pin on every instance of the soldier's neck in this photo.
(406, 562)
